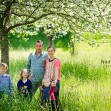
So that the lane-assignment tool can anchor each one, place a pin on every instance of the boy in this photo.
(5, 81)
(45, 91)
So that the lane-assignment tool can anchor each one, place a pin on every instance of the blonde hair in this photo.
(21, 77)
(4, 65)
(45, 79)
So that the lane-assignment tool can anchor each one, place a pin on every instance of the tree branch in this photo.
(105, 7)
(1, 1)
(23, 4)
(20, 15)
(88, 40)
(7, 9)
(34, 11)
(28, 22)
(67, 15)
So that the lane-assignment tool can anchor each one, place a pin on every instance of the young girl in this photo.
(24, 85)
(52, 95)
(5, 81)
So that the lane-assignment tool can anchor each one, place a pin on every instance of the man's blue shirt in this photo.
(36, 65)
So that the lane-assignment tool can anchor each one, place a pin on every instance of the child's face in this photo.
(25, 74)
(3, 70)
(53, 83)
(46, 82)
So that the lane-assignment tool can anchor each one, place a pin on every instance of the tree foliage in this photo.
(82, 15)
(77, 16)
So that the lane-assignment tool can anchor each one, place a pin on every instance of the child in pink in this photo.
(52, 95)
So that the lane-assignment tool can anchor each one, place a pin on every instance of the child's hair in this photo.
(4, 65)
(21, 77)
(45, 79)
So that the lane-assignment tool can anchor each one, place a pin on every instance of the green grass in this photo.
(85, 81)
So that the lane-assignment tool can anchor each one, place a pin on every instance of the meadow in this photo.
(85, 79)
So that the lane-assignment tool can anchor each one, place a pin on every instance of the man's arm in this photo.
(28, 65)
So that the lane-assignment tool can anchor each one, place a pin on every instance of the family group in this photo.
(42, 72)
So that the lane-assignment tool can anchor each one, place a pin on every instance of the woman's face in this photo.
(50, 52)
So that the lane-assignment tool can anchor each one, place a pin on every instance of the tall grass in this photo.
(85, 81)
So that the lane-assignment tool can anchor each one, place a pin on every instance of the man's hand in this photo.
(40, 87)
(30, 77)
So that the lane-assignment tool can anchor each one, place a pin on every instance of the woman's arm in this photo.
(56, 69)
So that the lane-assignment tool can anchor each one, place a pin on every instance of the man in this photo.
(36, 65)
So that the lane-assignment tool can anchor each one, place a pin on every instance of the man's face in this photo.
(38, 47)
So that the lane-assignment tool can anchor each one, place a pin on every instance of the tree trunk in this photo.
(0, 42)
(73, 45)
(50, 40)
(4, 48)
(0, 39)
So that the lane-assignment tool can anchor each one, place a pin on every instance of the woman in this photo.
(53, 72)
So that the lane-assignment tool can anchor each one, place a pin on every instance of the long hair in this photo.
(21, 77)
